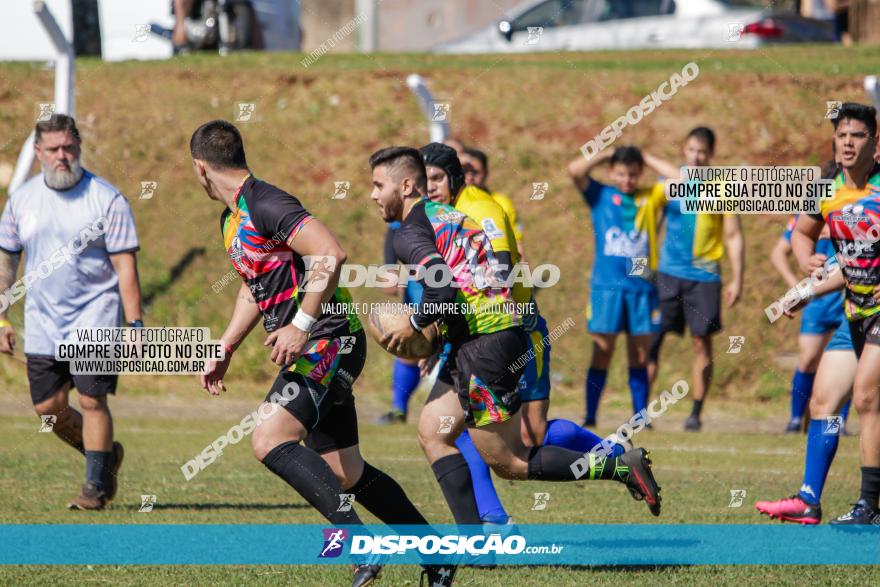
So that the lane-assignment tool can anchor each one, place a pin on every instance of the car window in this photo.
(552, 13)
(616, 9)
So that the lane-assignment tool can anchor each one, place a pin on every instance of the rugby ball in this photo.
(422, 345)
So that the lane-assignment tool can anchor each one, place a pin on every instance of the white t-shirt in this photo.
(67, 237)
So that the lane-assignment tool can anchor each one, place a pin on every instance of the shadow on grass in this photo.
(222, 506)
(155, 290)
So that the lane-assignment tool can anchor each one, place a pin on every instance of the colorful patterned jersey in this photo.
(693, 246)
(853, 219)
(255, 237)
(433, 231)
(626, 235)
(484, 208)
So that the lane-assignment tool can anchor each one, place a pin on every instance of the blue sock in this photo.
(567, 434)
(638, 388)
(404, 381)
(844, 411)
(488, 503)
(820, 452)
(595, 384)
(801, 390)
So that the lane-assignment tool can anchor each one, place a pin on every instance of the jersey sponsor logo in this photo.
(851, 215)
(491, 230)
(450, 217)
(625, 244)
(236, 252)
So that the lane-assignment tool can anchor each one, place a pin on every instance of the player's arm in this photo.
(661, 167)
(803, 243)
(125, 265)
(734, 243)
(245, 316)
(580, 169)
(824, 282)
(779, 260)
(313, 239)
(8, 268)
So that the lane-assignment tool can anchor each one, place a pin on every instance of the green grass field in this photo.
(319, 125)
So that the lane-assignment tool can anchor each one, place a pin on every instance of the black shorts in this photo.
(865, 331)
(317, 390)
(695, 303)
(46, 376)
(485, 371)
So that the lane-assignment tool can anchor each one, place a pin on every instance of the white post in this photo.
(438, 125)
(872, 86)
(368, 33)
(64, 97)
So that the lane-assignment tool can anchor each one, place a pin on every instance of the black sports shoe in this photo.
(794, 426)
(588, 423)
(692, 424)
(861, 513)
(392, 417)
(640, 481)
(437, 576)
(365, 575)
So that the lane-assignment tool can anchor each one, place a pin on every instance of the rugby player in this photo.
(689, 276)
(405, 375)
(312, 444)
(820, 319)
(853, 220)
(446, 179)
(622, 295)
(46, 215)
(480, 374)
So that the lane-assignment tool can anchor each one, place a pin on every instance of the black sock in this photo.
(697, 409)
(311, 477)
(98, 467)
(455, 481)
(554, 463)
(384, 498)
(871, 486)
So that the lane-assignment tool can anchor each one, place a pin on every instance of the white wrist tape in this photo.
(808, 292)
(412, 321)
(303, 321)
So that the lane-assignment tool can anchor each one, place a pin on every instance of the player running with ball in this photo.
(480, 376)
(312, 444)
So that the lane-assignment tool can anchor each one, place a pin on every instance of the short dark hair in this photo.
(628, 156)
(402, 159)
(56, 123)
(705, 134)
(860, 112)
(479, 155)
(219, 144)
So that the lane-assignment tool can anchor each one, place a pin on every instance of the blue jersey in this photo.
(625, 227)
(693, 245)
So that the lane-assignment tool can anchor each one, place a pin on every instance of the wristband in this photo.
(303, 321)
(228, 349)
(5, 324)
(136, 324)
(412, 322)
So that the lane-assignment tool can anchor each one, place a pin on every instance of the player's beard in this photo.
(63, 180)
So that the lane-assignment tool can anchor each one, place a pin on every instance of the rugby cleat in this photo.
(392, 417)
(437, 576)
(791, 509)
(640, 481)
(365, 575)
(89, 499)
(861, 513)
(112, 480)
(692, 424)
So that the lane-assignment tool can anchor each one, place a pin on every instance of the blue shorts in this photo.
(842, 339)
(612, 311)
(822, 314)
(534, 385)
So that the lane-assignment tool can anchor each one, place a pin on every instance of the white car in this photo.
(583, 25)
